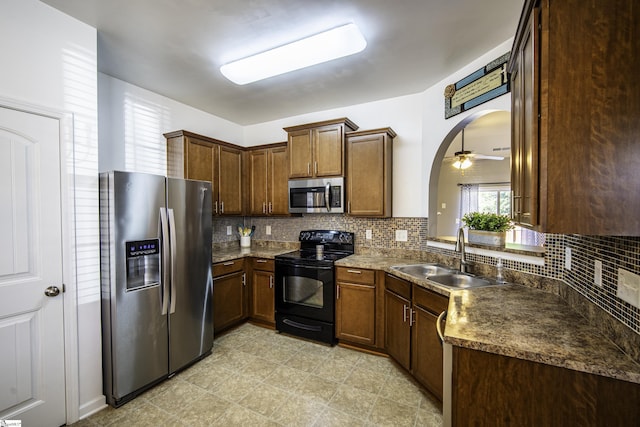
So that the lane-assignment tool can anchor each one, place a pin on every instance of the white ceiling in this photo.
(176, 47)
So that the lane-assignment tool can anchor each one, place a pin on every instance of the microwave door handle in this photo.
(327, 192)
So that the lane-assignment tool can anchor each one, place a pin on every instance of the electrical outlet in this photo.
(567, 258)
(268, 230)
(368, 234)
(597, 272)
(401, 236)
(629, 287)
(229, 230)
(444, 206)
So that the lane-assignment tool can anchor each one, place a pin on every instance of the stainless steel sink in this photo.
(460, 281)
(422, 271)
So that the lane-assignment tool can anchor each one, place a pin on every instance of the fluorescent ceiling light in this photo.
(336, 43)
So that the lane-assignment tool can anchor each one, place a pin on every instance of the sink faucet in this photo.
(465, 266)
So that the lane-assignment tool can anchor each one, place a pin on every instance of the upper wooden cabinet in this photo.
(575, 142)
(369, 172)
(268, 177)
(317, 149)
(194, 156)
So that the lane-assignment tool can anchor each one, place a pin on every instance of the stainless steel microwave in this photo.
(324, 195)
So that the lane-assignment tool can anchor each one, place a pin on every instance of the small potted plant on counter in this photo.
(487, 228)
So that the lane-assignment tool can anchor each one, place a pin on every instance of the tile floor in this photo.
(257, 377)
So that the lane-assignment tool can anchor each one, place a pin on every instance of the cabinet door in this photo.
(230, 181)
(263, 296)
(258, 163)
(328, 151)
(228, 300)
(356, 313)
(525, 137)
(200, 164)
(397, 329)
(300, 154)
(426, 351)
(367, 184)
(278, 199)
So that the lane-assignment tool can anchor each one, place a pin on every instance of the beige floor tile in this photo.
(334, 418)
(353, 401)
(265, 399)
(365, 379)
(209, 379)
(238, 416)
(379, 364)
(259, 368)
(429, 418)
(286, 378)
(180, 394)
(203, 411)
(307, 360)
(236, 387)
(314, 387)
(403, 391)
(298, 411)
(334, 370)
(386, 412)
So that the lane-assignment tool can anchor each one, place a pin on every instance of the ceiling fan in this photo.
(462, 159)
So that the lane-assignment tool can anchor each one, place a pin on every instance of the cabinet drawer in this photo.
(398, 286)
(430, 301)
(262, 264)
(226, 267)
(355, 275)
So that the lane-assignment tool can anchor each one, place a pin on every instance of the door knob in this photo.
(52, 291)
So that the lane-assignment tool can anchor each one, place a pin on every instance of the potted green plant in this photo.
(487, 228)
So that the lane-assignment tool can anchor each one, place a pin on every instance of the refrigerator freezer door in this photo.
(135, 338)
(190, 319)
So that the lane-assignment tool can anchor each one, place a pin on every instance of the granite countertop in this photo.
(221, 255)
(517, 321)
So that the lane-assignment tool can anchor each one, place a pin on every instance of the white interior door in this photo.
(32, 387)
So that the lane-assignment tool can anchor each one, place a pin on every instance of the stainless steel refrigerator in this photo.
(155, 250)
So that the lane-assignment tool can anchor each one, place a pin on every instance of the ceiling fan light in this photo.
(323, 47)
(462, 162)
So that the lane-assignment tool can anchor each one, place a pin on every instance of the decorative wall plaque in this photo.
(481, 86)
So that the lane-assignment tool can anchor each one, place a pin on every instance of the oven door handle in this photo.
(308, 267)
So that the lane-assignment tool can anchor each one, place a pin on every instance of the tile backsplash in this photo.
(614, 252)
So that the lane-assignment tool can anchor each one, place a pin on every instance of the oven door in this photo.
(305, 290)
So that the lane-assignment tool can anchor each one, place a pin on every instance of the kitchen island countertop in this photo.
(517, 321)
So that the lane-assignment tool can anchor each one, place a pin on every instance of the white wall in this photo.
(133, 120)
(49, 60)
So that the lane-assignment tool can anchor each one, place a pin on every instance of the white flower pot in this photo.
(490, 238)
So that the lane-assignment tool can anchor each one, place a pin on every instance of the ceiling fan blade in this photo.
(485, 157)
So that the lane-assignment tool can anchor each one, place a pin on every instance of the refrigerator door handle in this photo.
(164, 234)
(172, 238)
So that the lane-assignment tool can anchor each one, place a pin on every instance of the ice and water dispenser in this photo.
(143, 263)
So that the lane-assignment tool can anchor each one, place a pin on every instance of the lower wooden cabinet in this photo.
(491, 389)
(411, 335)
(262, 291)
(229, 294)
(359, 304)
(397, 300)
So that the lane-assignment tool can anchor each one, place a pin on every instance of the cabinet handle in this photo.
(260, 261)
(404, 313)
(349, 206)
(229, 263)
(244, 279)
(308, 168)
(221, 207)
(338, 292)
(441, 318)
(215, 207)
(271, 282)
(354, 271)
(264, 207)
(411, 319)
(315, 168)
(270, 207)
